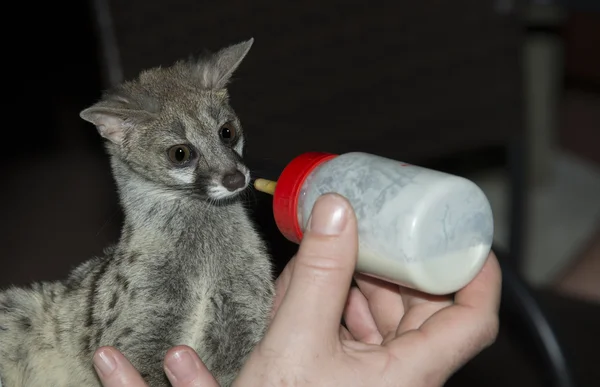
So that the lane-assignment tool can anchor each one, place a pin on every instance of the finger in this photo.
(455, 334)
(359, 320)
(313, 304)
(419, 307)
(114, 370)
(385, 303)
(185, 369)
(483, 292)
(281, 285)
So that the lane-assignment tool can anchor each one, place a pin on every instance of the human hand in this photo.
(182, 367)
(394, 336)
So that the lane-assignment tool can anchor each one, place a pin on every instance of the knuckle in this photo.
(319, 263)
(325, 255)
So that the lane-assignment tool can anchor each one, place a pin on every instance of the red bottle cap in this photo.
(285, 197)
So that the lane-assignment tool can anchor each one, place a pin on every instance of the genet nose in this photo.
(234, 181)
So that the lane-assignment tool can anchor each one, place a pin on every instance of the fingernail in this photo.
(182, 366)
(105, 362)
(329, 215)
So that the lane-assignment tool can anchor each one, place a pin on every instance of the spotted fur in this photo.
(189, 267)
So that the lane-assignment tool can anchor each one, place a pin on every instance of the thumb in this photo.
(185, 369)
(322, 274)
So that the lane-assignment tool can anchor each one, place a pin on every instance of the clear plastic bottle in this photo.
(417, 227)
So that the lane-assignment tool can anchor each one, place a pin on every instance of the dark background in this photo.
(437, 83)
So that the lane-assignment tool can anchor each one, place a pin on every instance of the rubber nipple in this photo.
(266, 186)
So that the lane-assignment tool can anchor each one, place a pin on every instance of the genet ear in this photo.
(110, 123)
(113, 119)
(217, 72)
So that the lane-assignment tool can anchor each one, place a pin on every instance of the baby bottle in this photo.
(417, 227)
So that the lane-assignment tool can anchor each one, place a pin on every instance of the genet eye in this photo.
(227, 133)
(180, 154)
